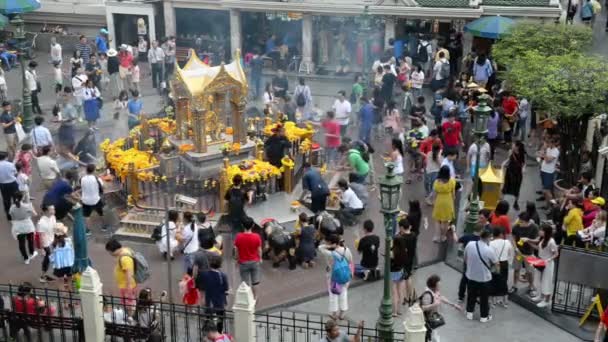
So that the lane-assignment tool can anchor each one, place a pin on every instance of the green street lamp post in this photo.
(390, 195)
(27, 116)
(480, 129)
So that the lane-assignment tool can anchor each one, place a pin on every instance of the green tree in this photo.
(570, 88)
(544, 39)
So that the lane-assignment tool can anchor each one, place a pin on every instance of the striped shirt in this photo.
(85, 52)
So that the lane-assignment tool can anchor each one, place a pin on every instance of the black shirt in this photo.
(368, 247)
(530, 232)
(411, 241)
(236, 198)
(388, 83)
(113, 65)
(91, 70)
(275, 147)
(418, 110)
(280, 82)
(465, 239)
(257, 64)
(399, 255)
(5, 118)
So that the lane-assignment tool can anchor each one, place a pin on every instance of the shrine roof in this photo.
(196, 75)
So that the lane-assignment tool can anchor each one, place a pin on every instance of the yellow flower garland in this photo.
(119, 159)
(259, 170)
(292, 132)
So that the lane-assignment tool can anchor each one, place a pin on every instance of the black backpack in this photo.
(301, 99)
(157, 233)
(422, 55)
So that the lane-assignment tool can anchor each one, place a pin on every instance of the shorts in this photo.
(250, 272)
(127, 297)
(547, 180)
(88, 209)
(518, 265)
(62, 272)
(397, 276)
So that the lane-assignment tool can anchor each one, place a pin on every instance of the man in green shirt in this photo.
(359, 165)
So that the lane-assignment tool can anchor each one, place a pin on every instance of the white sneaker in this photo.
(542, 304)
(27, 261)
(35, 254)
(536, 299)
(470, 316)
(485, 319)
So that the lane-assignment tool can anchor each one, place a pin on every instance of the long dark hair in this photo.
(435, 151)
(17, 198)
(502, 208)
(547, 234)
(444, 173)
(59, 241)
(481, 59)
(399, 251)
(189, 218)
(398, 145)
(520, 149)
(414, 215)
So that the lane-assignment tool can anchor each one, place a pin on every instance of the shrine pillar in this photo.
(181, 115)
(239, 134)
(198, 125)
(307, 39)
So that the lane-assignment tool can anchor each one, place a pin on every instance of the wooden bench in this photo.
(127, 331)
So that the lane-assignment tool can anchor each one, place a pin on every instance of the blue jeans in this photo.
(365, 133)
(188, 262)
(360, 270)
(520, 129)
(331, 155)
(256, 85)
(429, 179)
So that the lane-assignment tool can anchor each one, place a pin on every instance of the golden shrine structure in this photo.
(187, 160)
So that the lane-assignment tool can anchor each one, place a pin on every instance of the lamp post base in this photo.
(385, 323)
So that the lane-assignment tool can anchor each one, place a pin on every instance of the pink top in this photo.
(125, 58)
(25, 158)
(393, 120)
(135, 73)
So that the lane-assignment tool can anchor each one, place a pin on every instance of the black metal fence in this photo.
(304, 327)
(39, 314)
(161, 321)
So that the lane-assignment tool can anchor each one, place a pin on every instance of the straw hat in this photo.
(472, 85)
(482, 90)
(112, 53)
(60, 229)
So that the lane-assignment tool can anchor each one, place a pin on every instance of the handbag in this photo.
(432, 319)
(497, 267)
(491, 269)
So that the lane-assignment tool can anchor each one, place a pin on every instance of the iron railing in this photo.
(161, 321)
(39, 314)
(304, 327)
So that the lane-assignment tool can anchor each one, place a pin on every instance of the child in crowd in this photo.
(62, 256)
(135, 75)
(23, 182)
(24, 157)
(187, 288)
(46, 235)
(120, 104)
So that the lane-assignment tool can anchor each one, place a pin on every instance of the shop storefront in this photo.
(210, 37)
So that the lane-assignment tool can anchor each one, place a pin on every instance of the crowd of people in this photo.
(430, 143)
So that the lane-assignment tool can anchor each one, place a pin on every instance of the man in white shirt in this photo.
(156, 57)
(343, 109)
(41, 136)
(350, 204)
(441, 72)
(56, 51)
(548, 166)
(92, 190)
(47, 166)
(31, 80)
(78, 85)
(479, 258)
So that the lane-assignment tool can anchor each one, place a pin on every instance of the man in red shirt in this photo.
(426, 145)
(332, 137)
(510, 108)
(248, 246)
(452, 132)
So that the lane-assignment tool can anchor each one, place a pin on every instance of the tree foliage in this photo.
(572, 85)
(544, 39)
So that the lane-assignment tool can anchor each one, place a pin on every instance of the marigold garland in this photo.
(119, 159)
(256, 170)
(292, 132)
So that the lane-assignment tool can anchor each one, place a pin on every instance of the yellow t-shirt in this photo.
(214, 250)
(123, 265)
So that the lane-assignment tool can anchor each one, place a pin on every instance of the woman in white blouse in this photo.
(92, 103)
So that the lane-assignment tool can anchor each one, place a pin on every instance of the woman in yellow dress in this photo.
(443, 210)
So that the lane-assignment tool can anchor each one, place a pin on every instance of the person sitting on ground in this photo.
(305, 244)
(359, 189)
(350, 204)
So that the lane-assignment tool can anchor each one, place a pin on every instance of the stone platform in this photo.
(137, 224)
(208, 164)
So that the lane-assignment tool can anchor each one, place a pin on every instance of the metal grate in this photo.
(304, 327)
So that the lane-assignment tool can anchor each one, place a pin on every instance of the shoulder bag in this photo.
(491, 269)
(433, 319)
